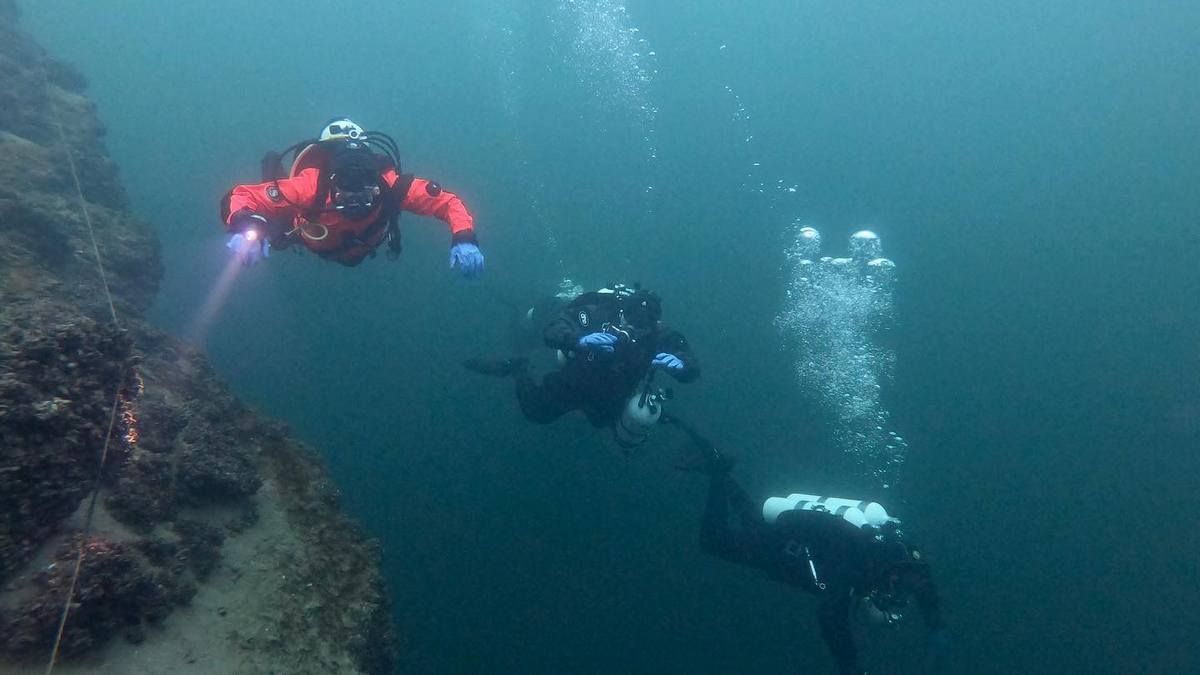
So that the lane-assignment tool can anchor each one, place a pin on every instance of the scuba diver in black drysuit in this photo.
(863, 573)
(609, 342)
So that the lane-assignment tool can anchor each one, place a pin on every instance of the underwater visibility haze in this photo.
(1018, 383)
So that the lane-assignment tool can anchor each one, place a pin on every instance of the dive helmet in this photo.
(638, 306)
(341, 127)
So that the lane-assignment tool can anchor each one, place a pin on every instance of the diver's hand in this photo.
(669, 362)
(249, 247)
(468, 258)
(597, 342)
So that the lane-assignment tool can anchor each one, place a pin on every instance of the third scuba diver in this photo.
(610, 342)
(341, 200)
(849, 553)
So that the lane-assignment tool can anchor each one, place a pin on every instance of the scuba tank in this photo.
(854, 511)
(641, 412)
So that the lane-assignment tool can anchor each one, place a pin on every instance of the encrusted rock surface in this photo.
(216, 540)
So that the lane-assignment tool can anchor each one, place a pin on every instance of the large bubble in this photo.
(834, 312)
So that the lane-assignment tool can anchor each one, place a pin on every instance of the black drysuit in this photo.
(599, 384)
(848, 561)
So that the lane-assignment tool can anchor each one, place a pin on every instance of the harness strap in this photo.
(389, 212)
(315, 210)
(388, 219)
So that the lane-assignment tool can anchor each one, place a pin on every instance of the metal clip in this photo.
(812, 569)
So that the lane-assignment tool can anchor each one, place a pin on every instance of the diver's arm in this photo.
(673, 342)
(564, 330)
(732, 528)
(274, 200)
(833, 614)
(926, 595)
(427, 198)
(561, 333)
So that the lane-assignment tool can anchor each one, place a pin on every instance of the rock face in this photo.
(215, 540)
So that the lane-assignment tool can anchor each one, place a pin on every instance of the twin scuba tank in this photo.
(857, 512)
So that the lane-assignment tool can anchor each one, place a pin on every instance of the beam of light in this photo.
(198, 329)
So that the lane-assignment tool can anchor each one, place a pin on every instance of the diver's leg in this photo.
(546, 402)
(732, 526)
(833, 615)
(701, 455)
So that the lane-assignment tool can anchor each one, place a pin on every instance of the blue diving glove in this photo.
(670, 362)
(597, 342)
(249, 247)
(468, 258)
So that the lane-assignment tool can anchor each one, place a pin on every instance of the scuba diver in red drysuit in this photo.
(341, 200)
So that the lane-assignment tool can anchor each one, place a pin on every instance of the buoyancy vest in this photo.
(318, 224)
(330, 233)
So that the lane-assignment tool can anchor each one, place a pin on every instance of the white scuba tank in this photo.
(642, 411)
(855, 511)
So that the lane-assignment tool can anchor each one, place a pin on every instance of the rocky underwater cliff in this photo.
(216, 544)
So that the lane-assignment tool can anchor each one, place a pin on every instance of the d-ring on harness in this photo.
(302, 229)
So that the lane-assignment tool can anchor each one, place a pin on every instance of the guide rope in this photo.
(112, 418)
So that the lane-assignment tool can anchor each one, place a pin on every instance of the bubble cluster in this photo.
(834, 312)
(612, 60)
(754, 179)
(497, 31)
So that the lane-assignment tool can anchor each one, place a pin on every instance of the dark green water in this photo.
(1032, 168)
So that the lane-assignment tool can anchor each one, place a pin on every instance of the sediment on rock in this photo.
(198, 493)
